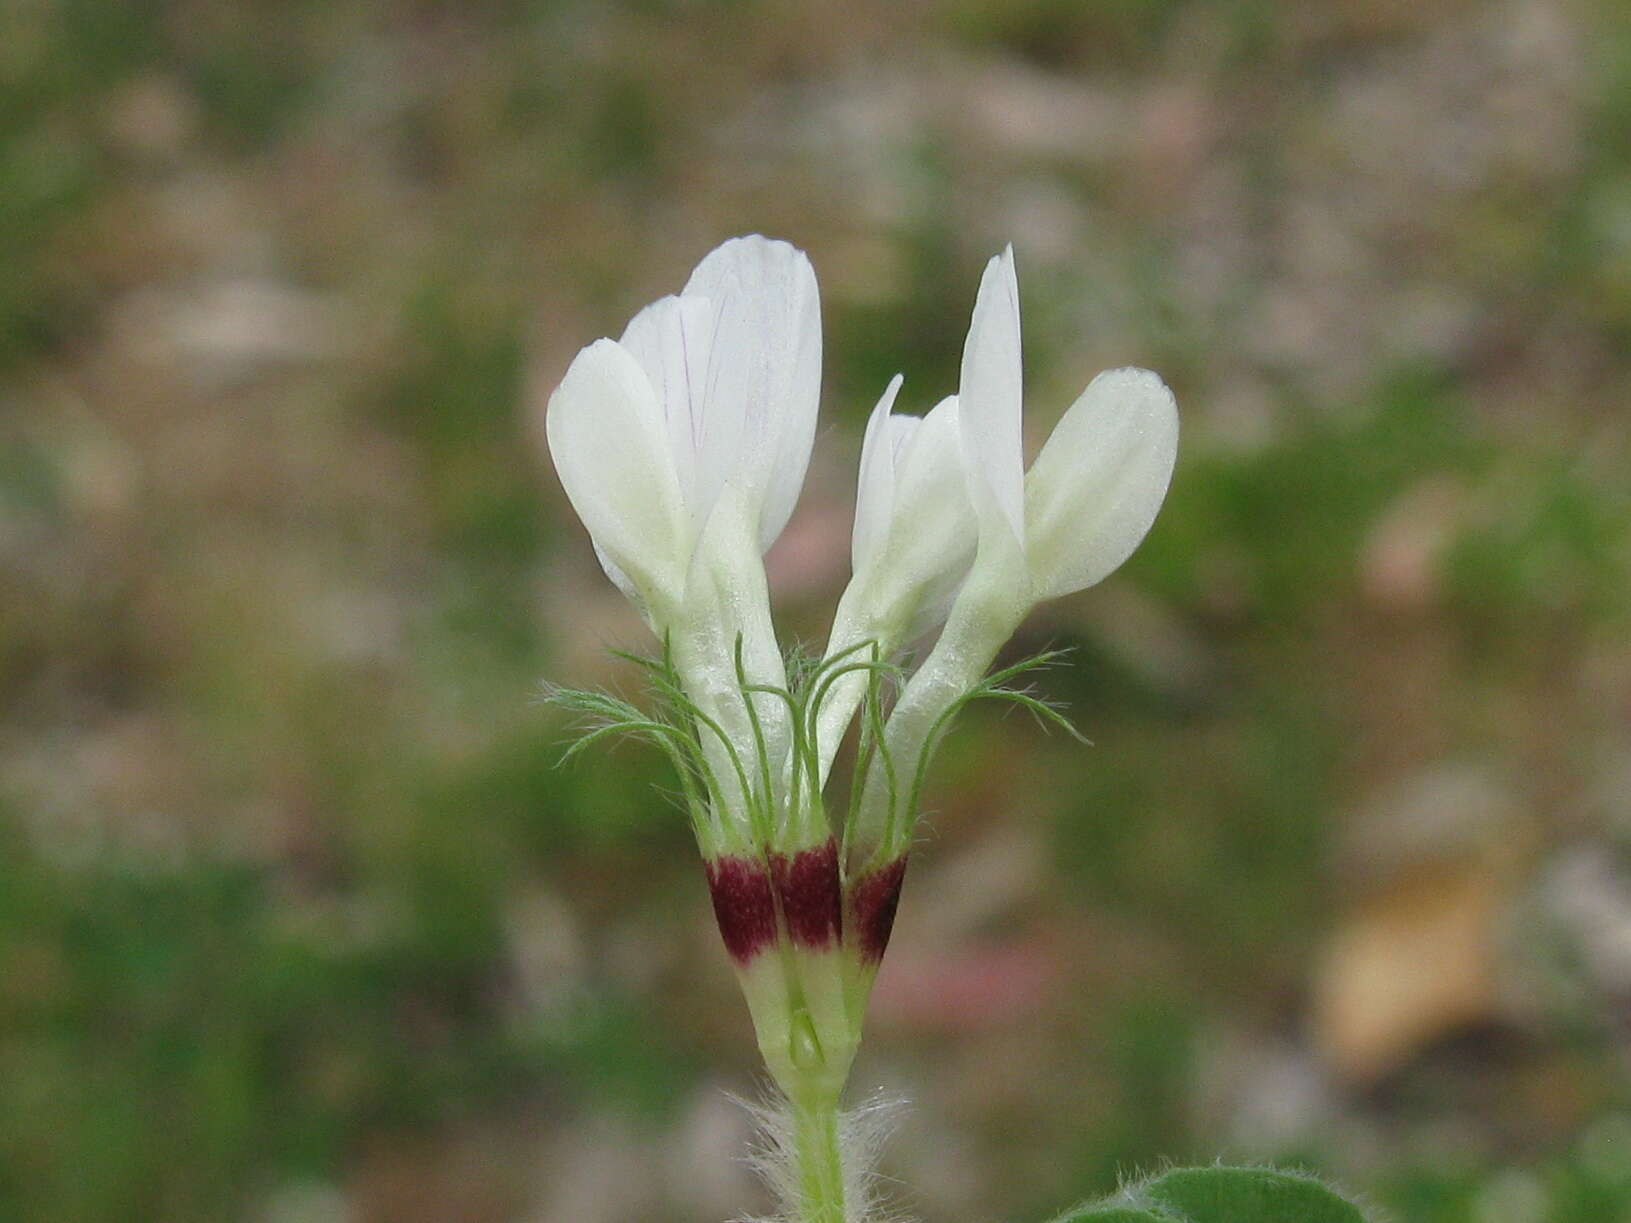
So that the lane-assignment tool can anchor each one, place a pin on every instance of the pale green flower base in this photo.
(808, 1053)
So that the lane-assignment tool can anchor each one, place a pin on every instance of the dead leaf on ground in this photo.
(1408, 966)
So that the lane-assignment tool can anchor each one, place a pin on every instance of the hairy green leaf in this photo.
(1250, 1195)
(1222, 1195)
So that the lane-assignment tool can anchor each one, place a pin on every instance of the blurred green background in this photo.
(299, 920)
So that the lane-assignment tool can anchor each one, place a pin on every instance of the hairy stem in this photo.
(819, 1156)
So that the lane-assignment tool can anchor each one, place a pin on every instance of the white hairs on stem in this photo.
(862, 1132)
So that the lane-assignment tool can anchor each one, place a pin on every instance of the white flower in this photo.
(1086, 503)
(714, 388)
(683, 446)
(913, 541)
(1092, 493)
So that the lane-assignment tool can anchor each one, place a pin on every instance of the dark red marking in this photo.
(873, 900)
(744, 906)
(812, 898)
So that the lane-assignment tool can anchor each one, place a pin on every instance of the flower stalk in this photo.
(818, 1153)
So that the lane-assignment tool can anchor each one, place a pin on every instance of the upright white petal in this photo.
(763, 379)
(608, 439)
(1095, 488)
(875, 485)
(673, 340)
(933, 528)
(915, 529)
(990, 396)
(915, 534)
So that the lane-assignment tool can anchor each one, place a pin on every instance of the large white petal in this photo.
(1095, 488)
(763, 381)
(875, 484)
(673, 339)
(608, 439)
(991, 394)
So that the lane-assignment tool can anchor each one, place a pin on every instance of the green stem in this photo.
(820, 1160)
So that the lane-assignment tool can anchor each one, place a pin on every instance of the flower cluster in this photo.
(682, 447)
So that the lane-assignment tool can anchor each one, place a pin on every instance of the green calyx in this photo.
(750, 773)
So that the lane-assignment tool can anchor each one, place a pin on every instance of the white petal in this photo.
(875, 484)
(763, 380)
(990, 394)
(672, 339)
(607, 437)
(915, 536)
(727, 602)
(1095, 488)
(932, 456)
(916, 549)
(619, 579)
(935, 529)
